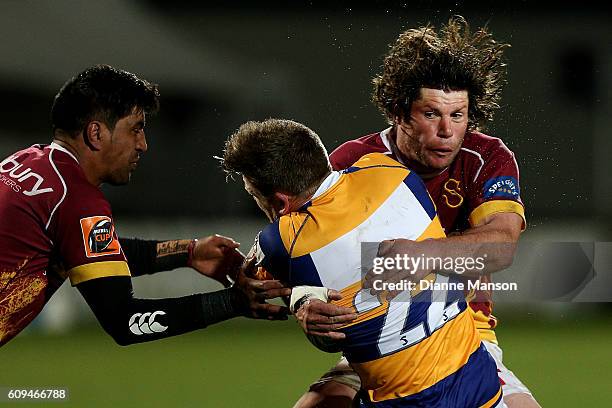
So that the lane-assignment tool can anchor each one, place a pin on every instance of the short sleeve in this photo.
(85, 237)
(496, 187)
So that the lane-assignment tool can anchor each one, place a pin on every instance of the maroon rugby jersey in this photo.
(53, 224)
(482, 180)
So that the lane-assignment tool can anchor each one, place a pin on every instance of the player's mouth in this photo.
(441, 152)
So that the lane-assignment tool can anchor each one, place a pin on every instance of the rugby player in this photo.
(55, 223)
(420, 349)
(437, 90)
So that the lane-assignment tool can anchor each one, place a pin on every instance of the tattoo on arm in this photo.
(170, 248)
(172, 254)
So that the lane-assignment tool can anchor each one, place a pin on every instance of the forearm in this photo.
(130, 320)
(494, 249)
(146, 257)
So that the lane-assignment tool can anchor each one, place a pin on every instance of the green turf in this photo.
(264, 364)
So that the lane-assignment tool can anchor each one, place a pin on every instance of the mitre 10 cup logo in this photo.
(99, 236)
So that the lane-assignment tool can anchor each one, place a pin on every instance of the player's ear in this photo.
(93, 135)
(282, 203)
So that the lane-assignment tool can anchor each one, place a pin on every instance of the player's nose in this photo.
(141, 143)
(445, 129)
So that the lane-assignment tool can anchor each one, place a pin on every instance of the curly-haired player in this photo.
(438, 89)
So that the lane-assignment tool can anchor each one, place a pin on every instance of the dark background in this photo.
(219, 65)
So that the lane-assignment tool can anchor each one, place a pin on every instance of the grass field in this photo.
(262, 364)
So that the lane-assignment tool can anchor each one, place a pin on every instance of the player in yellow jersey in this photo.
(419, 349)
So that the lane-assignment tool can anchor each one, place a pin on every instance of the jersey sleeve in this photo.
(496, 187)
(85, 237)
(273, 260)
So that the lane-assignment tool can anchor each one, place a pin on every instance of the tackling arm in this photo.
(495, 239)
(215, 256)
(130, 320)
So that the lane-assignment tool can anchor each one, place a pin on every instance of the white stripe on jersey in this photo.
(63, 184)
(386, 222)
(482, 162)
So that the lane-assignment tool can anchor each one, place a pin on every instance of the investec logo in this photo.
(13, 168)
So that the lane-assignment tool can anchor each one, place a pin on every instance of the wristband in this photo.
(190, 249)
(301, 294)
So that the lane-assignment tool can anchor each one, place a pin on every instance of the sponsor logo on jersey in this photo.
(144, 323)
(452, 197)
(503, 186)
(99, 236)
(16, 172)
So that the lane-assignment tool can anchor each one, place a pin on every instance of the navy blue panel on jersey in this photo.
(304, 272)
(416, 185)
(467, 387)
(276, 260)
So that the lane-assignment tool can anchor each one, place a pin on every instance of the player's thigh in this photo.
(336, 388)
(521, 400)
(331, 394)
(516, 394)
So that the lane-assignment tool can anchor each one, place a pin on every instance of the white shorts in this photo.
(510, 383)
(344, 374)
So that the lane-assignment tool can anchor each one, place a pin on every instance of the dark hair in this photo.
(277, 155)
(101, 93)
(453, 59)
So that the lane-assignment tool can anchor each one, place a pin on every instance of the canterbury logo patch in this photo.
(99, 236)
(144, 323)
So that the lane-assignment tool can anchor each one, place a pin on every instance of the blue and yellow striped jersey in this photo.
(421, 347)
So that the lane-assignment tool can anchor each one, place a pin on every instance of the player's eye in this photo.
(457, 116)
(429, 114)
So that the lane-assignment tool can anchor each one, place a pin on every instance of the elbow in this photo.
(503, 257)
(506, 261)
(120, 337)
(121, 341)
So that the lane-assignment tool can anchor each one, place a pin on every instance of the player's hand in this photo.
(217, 257)
(322, 319)
(258, 291)
(391, 249)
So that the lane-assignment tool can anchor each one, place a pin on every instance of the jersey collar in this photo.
(329, 181)
(54, 145)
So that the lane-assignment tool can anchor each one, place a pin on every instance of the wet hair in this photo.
(452, 59)
(101, 93)
(277, 155)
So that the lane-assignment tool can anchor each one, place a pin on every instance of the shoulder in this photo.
(81, 198)
(349, 152)
(484, 147)
(270, 241)
(378, 160)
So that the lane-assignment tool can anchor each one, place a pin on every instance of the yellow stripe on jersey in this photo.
(414, 369)
(434, 230)
(358, 199)
(496, 206)
(483, 326)
(83, 273)
(348, 294)
(493, 400)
